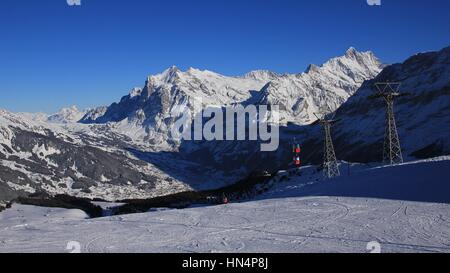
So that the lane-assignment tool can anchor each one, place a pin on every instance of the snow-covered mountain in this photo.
(63, 116)
(328, 86)
(67, 115)
(147, 114)
(422, 120)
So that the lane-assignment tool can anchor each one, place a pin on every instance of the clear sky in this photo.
(54, 55)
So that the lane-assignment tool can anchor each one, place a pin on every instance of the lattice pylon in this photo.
(392, 152)
(330, 165)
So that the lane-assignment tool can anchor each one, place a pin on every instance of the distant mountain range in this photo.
(125, 151)
(147, 112)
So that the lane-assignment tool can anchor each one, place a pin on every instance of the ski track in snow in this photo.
(280, 220)
(315, 224)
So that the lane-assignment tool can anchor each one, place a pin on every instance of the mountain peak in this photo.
(261, 75)
(135, 92)
(351, 59)
(172, 69)
(67, 115)
(354, 53)
(68, 110)
(167, 76)
(312, 68)
(193, 70)
(351, 51)
(170, 73)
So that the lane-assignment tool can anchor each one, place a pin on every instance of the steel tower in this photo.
(392, 152)
(330, 164)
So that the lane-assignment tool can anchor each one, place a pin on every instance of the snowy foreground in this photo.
(279, 221)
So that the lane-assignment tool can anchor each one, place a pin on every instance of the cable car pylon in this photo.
(330, 164)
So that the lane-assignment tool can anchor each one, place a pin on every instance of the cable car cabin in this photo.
(297, 161)
(296, 149)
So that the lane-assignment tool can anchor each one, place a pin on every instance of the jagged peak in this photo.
(67, 114)
(135, 92)
(193, 70)
(351, 51)
(352, 55)
(170, 73)
(67, 111)
(270, 86)
(171, 69)
(167, 76)
(72, 108)
(312, 68)
(261, 74)
(4, 112)
(93, 114)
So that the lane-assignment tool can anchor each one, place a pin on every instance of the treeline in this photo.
(253, 185)
(61, 201)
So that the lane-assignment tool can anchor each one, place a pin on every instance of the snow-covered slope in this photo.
(282, 220)
(422, 181)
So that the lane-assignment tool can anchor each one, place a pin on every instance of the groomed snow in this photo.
(275, 223)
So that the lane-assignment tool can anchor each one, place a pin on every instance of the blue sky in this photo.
(53, 55)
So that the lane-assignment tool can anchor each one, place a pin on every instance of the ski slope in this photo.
(343, 215)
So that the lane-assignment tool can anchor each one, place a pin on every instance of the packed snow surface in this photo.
(280, 220)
